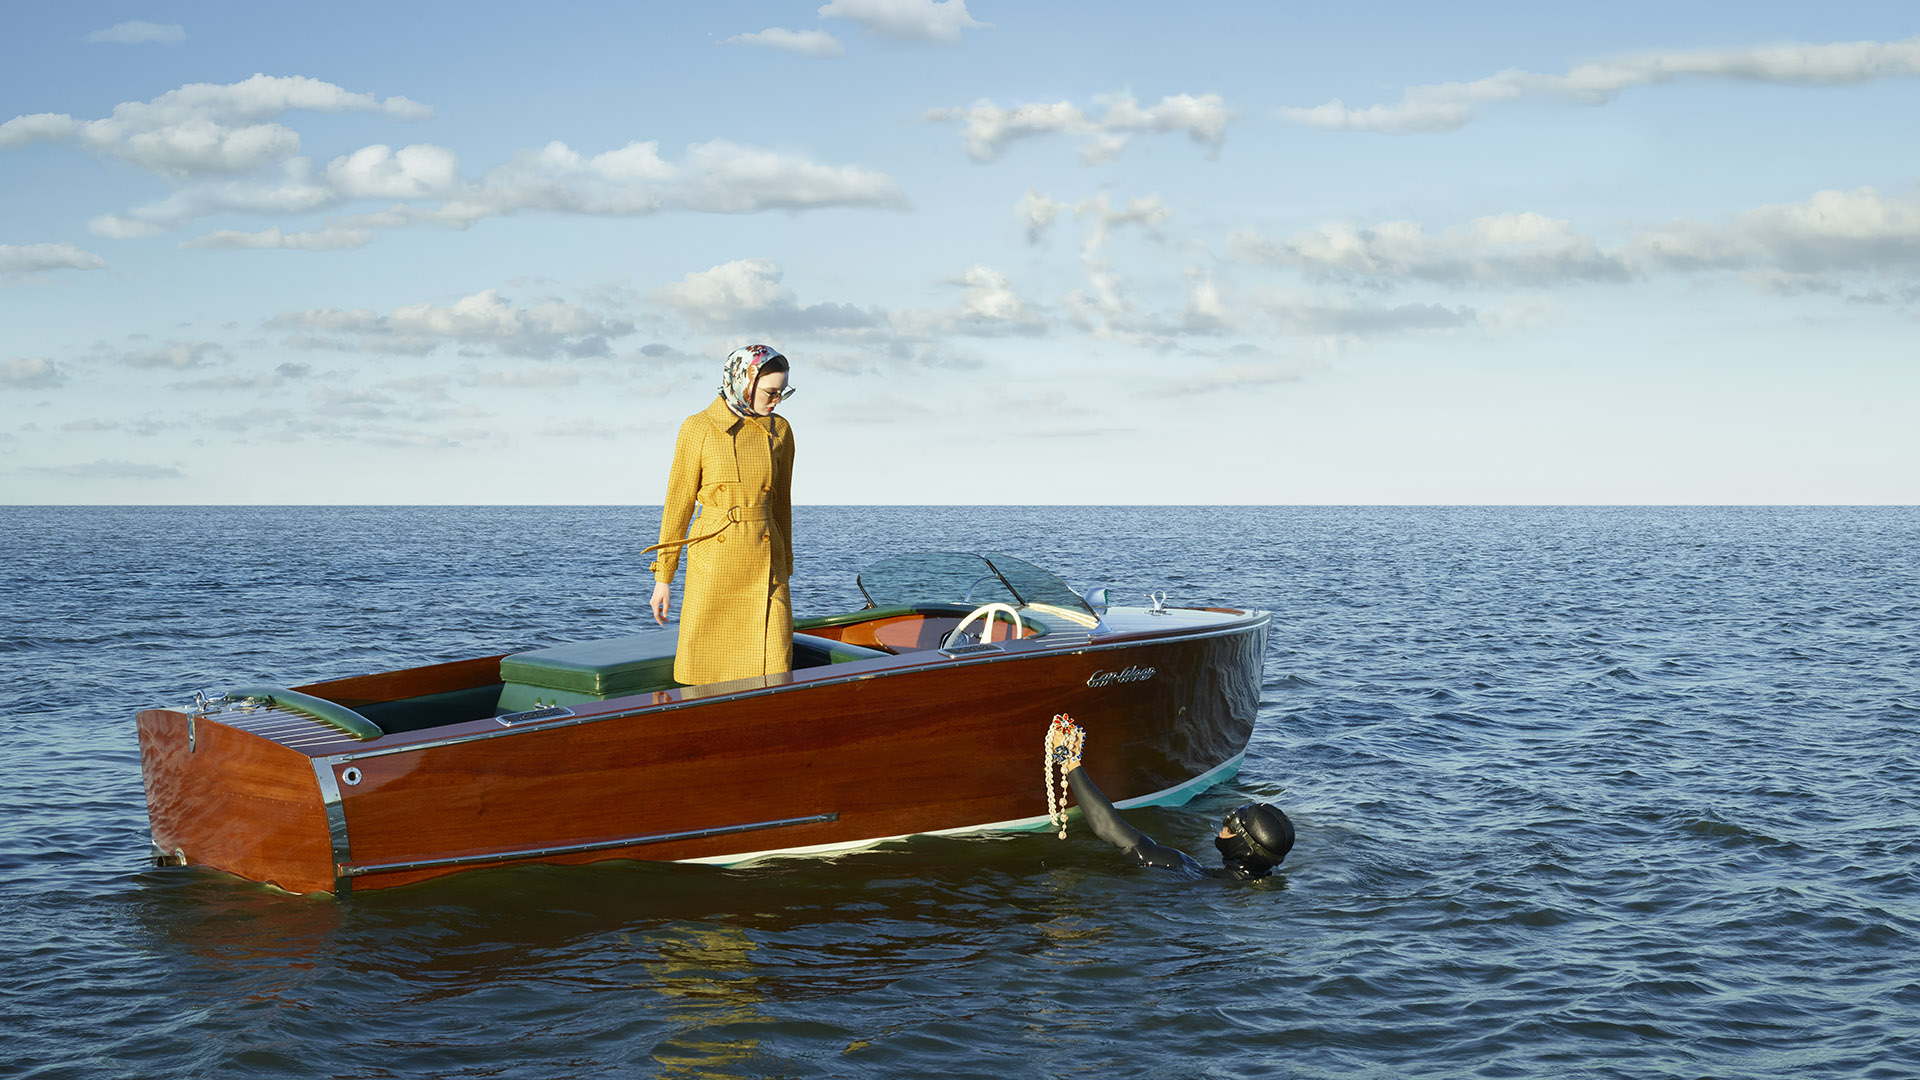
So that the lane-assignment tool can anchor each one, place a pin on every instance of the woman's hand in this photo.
(662, 601)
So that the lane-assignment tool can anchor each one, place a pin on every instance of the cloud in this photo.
(35, 258)
(30, 373)
(177, 355)
(268, 380)
(714, 177)
(546, 378)
(747, 293)
(1500, 249)
(1449, 106)
(989, 127)
(1367, 320)
(1206, 312)
(1833, 232)
(1037, 213)
(814, 43)
(147, 428)
(1257, 372)
(138, 33)
(110, 469)
(485, 321)
(1811, 246)
(225, 144)
(377, 172)
(990, 300)
(936, 21)
(205, 128)
(328, 238)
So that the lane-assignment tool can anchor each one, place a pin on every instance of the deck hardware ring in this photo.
(350, 776)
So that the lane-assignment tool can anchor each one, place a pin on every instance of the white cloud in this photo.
(1250, 374)
(1318, 316)
(1206, 310)
(418, 171)
(30, 373)
(989, 127)
(1146, 211)
(485, 321)
(1810, 246)
(634, 180)
(1858, 231)
(1501, 249)
(265, 380)
(748, 293)
(938, 21)
(330, 238)
(205, 128)
(815, 43)
(35, 258)
(990, 304)
(542, 379)
(176, 355)
(1038, 212)
(138, 33)
(1448, 106)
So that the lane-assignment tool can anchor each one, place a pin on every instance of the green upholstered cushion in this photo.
(606, 668)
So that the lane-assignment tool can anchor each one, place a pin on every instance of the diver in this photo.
(1253, 840)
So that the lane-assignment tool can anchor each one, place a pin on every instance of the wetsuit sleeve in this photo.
(1102, 818)
(1108, 825)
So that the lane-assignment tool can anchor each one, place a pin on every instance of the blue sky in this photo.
(1017, 253)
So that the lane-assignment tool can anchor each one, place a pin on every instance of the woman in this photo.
(735, 460)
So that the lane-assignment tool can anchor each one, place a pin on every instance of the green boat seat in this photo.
(584, 671)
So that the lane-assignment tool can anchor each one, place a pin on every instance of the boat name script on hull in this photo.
(1131, 674)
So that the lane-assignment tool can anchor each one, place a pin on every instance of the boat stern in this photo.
(221, 797)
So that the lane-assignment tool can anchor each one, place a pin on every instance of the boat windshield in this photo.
(955, 577)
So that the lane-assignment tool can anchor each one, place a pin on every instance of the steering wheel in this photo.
(985, 612)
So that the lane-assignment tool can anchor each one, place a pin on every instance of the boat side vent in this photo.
(528, 716)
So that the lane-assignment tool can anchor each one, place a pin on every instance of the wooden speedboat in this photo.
(925, 711)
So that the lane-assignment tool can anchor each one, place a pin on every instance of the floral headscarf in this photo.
(743, 368)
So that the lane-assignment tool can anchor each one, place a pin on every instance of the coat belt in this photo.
(761, 512)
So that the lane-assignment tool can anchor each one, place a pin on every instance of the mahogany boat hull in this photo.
(820, 760)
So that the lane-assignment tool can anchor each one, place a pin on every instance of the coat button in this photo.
(718, 488)
(766, 489)
(721, 539)
(763, 536)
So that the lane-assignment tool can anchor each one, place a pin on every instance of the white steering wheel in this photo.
(987, 612)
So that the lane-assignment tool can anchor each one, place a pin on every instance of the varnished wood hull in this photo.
(819, 760)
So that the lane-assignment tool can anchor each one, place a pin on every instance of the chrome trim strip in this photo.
(349, 871)
(1076, 649)
(336, 823)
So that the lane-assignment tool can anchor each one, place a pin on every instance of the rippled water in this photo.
(1580, 792)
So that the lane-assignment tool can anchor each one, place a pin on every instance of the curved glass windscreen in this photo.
(956, 577)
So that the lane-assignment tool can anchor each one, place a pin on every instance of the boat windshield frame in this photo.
(958, 577)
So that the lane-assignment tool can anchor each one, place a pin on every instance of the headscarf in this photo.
(743, 369)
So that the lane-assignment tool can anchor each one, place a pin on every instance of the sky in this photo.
(1063, 253)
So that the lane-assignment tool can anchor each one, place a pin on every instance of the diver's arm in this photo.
(1102, 818)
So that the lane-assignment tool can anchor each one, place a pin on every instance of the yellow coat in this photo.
(735, 617)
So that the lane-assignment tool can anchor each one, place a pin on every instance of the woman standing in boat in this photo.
(735, 461)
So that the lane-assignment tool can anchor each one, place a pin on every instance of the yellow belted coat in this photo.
(735, 617)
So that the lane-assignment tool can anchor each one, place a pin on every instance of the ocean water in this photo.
(1580, 792)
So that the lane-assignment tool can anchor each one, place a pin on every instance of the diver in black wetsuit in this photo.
(1253, 840)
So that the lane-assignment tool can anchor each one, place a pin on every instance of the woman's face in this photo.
(767, 391)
